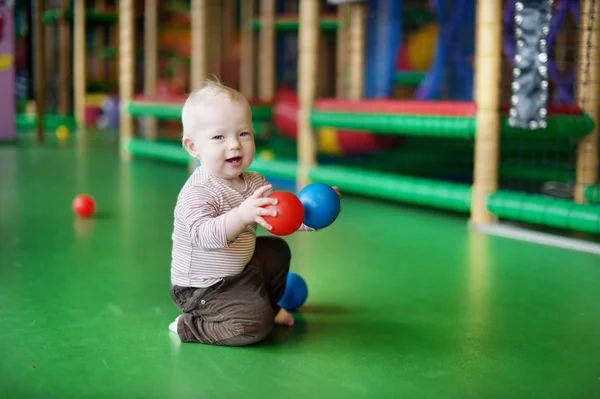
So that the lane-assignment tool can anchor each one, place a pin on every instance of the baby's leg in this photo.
(235, 312)
(272, 256)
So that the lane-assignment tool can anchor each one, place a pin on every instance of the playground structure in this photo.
(277, 34)
(165, 105)
(78, 70)
(7, 74)
(407, 148)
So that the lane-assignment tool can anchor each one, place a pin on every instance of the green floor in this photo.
(404, 302)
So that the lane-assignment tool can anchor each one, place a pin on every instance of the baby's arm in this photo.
(250, 211)
(209, 229)
(199, 208)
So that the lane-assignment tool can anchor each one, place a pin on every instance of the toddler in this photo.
(225, 280)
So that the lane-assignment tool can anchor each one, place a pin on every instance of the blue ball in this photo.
(295, 293)
(321, 205)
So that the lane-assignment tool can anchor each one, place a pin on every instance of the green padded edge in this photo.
(419, 125)
(163, 151)
(90, 16)
(528, 208)
(592, 194)
(281, 169)
(51, 121)
(559, 126)
(546, 211)
(160, 111)
(537, 209)
(436, 126)
(444, 195)
(165, 111)
(437, 194)
(446, 126)
(293, 26)
(387, 186)
(173, 152)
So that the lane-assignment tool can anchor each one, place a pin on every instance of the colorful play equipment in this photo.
(563, 83)
(77, 58)
(84, 205)
(290, 213)
(330, 140)
(161, 100)
(321, 205)
(482, 199)
(452, 146)
(417, 53)
(451, 73)
(382, 46)
(295, 293)
(7, 74)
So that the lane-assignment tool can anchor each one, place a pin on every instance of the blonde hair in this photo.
(208, 90)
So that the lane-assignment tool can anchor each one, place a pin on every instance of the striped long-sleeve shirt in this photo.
(201, 254)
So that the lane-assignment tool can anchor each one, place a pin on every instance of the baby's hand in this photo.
(251, 210)
(337, 190)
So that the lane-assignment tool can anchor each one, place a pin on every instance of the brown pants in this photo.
(239, 310)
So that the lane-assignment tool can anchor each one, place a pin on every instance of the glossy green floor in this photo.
(404, 302)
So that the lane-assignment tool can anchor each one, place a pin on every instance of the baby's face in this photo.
(224, 141)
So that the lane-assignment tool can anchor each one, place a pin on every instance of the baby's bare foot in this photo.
(284, 318)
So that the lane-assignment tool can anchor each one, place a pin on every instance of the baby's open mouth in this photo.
(234, 160)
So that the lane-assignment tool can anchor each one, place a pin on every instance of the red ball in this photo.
(290, 213)
(84, 205)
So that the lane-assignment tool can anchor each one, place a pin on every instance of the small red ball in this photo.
(290, 213)
(84, 205)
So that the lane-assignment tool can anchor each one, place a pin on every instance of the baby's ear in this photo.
(190, 147)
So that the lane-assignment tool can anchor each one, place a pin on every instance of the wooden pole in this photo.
(126, 70)
(79, 62)
(100, 42)
(308, 44)
(325, 76)
(266, 82)
(199, 43)
(64, 58)
(356, 47)
(214, 26)
(229, 15)
(588, 86)
(227, 26)
(40, 69)
(150, 58)
(488, 51)
(342, 51)
(247, 49)
(50, 47)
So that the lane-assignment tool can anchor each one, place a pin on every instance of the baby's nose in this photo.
(234, 143)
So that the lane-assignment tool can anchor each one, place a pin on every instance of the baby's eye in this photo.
(219, 137)
(245, 134)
